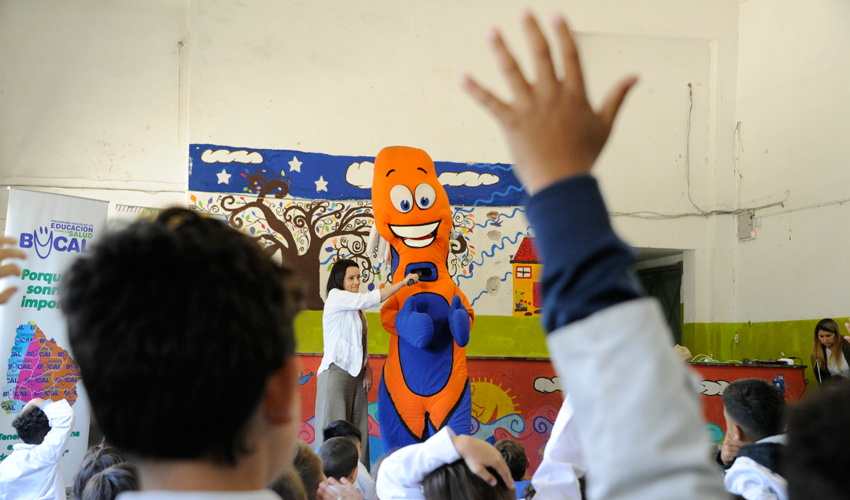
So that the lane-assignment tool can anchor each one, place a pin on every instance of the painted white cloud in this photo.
(713, 388)
(360, 174)
(547, 385)
(225, 156)
(467, 178)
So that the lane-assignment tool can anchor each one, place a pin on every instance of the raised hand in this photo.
(480, 456)
(459, 322)
(9, 269)
(551, 129)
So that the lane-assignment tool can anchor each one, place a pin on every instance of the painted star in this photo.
(295, 165)
(223, 177)
(321, 184)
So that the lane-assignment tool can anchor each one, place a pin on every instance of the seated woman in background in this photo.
(830, 352)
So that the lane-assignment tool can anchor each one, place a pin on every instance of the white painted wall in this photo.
(793, 106)
(90, 99)
(81, 82)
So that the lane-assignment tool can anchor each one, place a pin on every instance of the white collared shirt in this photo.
(843, 370)
(34, 472)
(364, 484)
(402, 473)
(342, 329)
(753, 481)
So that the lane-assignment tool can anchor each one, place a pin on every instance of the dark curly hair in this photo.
(175, 318)
(32, 425)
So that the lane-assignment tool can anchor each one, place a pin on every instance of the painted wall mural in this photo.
(508, 401)
(223, 169)
(312, 227)
(310, 209)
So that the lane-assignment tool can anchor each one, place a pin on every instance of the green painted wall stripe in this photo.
(756, 341)
(491, 335)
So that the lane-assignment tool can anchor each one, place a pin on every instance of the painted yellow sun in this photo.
(490, 402)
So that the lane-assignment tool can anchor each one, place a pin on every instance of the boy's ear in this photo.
(281, 391)
(735, 432)
(353, 476)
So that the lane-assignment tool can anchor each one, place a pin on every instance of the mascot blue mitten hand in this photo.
(459, 322)
(415, 327)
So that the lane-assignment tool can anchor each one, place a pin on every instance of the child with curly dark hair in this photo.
(33, 469)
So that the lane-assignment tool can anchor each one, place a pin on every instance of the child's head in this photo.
(817, 441)
(309, 468)
(343, 428)
(754, 409)
(339, 457)
(31, 425)
(97, 458)
(108, 483)
(289, 486)
(514, 454)
(189, 313)
(455, 481)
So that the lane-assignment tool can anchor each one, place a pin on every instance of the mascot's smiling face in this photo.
(410, 205)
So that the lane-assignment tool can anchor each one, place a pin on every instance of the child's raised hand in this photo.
(552, 131)
(480, 455)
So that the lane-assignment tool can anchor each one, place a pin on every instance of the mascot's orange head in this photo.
(410, 205)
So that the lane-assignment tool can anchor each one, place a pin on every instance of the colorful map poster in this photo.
(38, 368)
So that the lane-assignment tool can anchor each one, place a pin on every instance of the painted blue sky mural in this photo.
(226, 169)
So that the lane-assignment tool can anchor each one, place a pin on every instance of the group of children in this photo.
(188, 313)
(34, 469)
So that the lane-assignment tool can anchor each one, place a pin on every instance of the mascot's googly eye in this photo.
(402, 198)
(425, 196)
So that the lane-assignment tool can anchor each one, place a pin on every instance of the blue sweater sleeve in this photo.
(586, 267)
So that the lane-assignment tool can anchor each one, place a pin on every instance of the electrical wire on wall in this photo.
(646, 214)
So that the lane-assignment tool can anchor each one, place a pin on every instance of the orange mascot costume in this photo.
(424, 385)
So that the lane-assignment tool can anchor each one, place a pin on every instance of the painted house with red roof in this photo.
(527, 271)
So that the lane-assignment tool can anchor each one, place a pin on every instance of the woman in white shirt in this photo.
(830, 352)
(344, 378)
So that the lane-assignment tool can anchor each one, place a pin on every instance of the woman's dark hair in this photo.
(32, 425)
(288, 486)
(97, 458)
(188, 312)
(454, 481)
(108, 483)
(309, 468)
(337, 278)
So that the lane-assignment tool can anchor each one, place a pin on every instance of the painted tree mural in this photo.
(300, 229)
(308, 233)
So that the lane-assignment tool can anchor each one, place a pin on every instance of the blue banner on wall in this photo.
(226, 169)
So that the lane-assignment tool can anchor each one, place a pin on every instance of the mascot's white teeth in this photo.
(417, 236)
